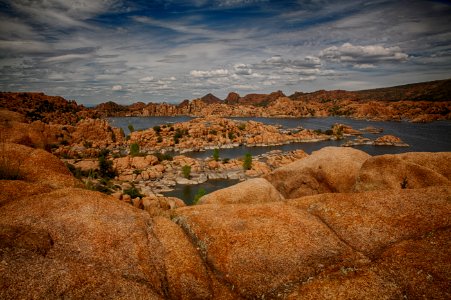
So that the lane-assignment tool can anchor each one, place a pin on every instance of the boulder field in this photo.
(338, 224)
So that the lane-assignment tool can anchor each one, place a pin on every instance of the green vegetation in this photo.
(133, 192)
(131, 128)
(225, 160)
(247, 163)
(231, 135)
(213, 132)
(200, 193)
(134, 149)
(105, 166)
(159, 139)
(242, 126)
(157, 129)
(161, 157)
(186, 170)
(216, 154)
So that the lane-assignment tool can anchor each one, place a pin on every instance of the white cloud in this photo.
(307, 78)
(146, 79)
(116, 88)
(363, 56)
(242, 69)
(208, 74)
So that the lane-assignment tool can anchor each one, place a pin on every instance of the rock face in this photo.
(411, 170)
(256, 190)
(325, 171)
(58, 241)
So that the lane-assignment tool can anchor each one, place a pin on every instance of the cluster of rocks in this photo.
(212, 132)
(336, 224)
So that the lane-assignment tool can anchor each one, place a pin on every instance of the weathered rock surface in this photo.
(262, 250)
(38, 166)
(404, 171)
(57, 241)
(327, 170)
(257, 190)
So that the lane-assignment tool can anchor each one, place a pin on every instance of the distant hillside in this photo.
(38, 106)
(439, 90)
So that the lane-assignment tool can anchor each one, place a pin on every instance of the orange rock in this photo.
(331, 169)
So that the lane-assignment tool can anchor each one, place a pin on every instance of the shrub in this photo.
(247, 163)
(106, 168)
(231, 136)
(159, 139)
(213, 132)
(131, 128)
(134, 149)
(162, 156)
(242, 126)
(133, 192)
(186, 170)
(225, 160)
(157, 129)
(200, 193)
(216, 154)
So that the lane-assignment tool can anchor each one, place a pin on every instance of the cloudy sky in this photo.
(169, 50)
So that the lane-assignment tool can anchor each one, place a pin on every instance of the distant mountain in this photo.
(439, 90)
(210, 99)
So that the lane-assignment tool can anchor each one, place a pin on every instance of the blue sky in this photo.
(126, 51)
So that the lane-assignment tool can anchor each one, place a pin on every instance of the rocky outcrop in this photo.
(325, 171)
(256, 190)
(393, 172)
(60, 241)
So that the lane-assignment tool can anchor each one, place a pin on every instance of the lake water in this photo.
(422, 137)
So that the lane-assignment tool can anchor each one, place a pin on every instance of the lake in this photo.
(422, 137)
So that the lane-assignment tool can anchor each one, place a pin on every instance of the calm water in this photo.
(187, 192)
(140, 123)
(428, 137)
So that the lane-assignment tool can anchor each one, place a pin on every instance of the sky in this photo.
(94, 51)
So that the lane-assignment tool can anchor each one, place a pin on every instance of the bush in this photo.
(157, 129)
(242, 126)
(159, 139)
(247, 163)
(133, 192)
(186, 170)
(225, 160)
(200, 193)
(162, 156)
(131, 128)
(216, 154)
(106, 168)
(134, 149)
(231, 136)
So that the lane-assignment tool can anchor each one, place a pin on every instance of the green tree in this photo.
(134, 149)
(247, 163)
(216, 154)
(106, 166)
(186, 170)
(131, 128)
(200, 193)
(157, 129)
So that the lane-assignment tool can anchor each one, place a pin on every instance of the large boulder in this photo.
(410, 170)
(257, 190)
(263, 250)
(36, 166)
(329, 170)
(371, 221)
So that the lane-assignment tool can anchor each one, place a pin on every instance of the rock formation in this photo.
(322, 241)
